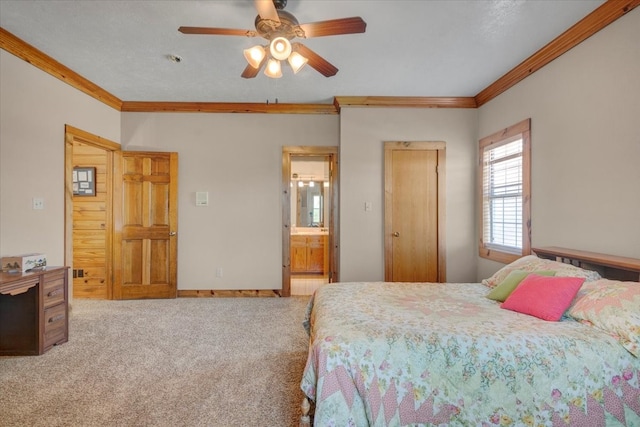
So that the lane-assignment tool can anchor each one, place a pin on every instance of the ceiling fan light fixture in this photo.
(273, 69)
(255, 55)
(280, 48)
(297, 62)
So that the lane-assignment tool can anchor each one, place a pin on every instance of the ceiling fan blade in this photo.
(317, 62)
(267, 10)
(334, 27)
(217, 31)
(250, 72)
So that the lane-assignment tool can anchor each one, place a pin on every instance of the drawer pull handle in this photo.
(56, 318)
(55, 292)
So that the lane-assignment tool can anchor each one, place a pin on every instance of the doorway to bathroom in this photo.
(309, 212)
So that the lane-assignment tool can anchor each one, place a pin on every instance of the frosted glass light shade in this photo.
(280, 48)
(273, 69)
(255, 55)
(297, 61)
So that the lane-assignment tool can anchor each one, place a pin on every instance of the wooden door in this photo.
(146, 225)
(414, 212)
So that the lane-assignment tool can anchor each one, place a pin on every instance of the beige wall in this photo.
(585, 113)
(237, 158)
(362, 135)
(585, 142)
(34, 108)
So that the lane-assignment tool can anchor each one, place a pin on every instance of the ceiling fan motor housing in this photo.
(288, 26)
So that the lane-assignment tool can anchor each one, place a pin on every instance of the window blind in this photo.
(502, 195)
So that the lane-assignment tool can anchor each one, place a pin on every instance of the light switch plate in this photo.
(202, 198)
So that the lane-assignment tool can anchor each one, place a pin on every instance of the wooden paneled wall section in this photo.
(604, 15)
(90, 227)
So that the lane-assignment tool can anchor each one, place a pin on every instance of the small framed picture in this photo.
(84, 181)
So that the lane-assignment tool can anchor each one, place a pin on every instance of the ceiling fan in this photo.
(279, 27)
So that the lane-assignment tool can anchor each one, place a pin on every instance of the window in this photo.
(317, 209)
(505, 199)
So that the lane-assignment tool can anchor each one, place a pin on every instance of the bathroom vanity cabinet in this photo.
(308, 253)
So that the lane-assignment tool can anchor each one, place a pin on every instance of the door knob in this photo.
(172, 233)
(396, 234)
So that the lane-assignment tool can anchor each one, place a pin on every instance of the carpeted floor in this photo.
(183, 362)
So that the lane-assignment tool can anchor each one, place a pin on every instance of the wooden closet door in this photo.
(146, 224)
(414, 203)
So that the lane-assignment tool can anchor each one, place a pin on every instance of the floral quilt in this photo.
(395, 354)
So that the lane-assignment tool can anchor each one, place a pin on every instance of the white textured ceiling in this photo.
(410, 47)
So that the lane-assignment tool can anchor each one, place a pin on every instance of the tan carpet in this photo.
(183, 362)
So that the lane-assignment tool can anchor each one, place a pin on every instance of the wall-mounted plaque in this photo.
(84, 181)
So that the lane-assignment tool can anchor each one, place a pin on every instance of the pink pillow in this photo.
(544, 297)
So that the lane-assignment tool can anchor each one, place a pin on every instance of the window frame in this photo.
(495, 140)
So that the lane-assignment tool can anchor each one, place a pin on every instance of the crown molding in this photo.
(226, 107)
(404, 101)
(38, 59)
(604, 15)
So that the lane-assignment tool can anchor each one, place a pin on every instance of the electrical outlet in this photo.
(219, 272)
(38, 203)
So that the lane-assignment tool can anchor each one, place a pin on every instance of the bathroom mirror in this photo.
(309, 203)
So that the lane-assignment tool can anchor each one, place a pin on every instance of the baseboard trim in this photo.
(244, 293)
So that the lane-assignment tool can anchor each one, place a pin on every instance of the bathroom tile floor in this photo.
(306, 284)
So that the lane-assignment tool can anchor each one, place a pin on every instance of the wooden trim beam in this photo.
(38, 59)
(591, 24)
(226, 107)
(604, 15)
(404, 101)
(91, 138)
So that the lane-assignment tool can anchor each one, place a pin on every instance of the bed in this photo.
(395, 354)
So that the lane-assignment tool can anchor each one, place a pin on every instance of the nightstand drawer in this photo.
(55, 325)
(53, 290)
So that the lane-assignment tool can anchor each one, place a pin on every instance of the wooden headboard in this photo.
(609, 266)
